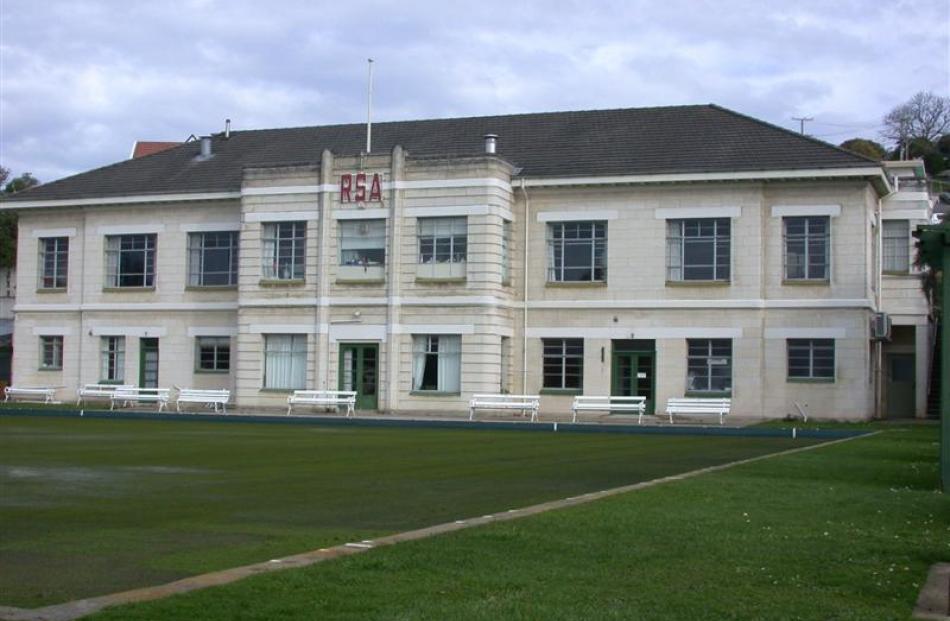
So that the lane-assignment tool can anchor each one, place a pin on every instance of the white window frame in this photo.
(559, 354)
(54, 262)
(198, 247)
(895, 246)
(444, 351)
(677, 242)
(284, 250)
(558, 243)
(285, 350)
(115, 253)
(806, 238)
(112, 359)
(434, 234)
(51, 353)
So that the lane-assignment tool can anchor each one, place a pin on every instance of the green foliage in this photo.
(867, 148)
(24, 181)
(8, 219)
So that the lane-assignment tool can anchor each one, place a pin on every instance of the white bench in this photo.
(210, 397)
(695, 406)
(44, 394)
(323, 398)
(609, 404)
(525, 403)
(92, 391)
(129, 395)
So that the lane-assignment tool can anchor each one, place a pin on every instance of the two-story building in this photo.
(658, 251)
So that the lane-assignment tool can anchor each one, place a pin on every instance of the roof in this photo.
(630, 141)
(141, 148)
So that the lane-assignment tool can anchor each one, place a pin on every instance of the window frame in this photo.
(444, 232)
(903, 252)
(217, 343)
(506, 252)
(696, 359)
(558, 243)
(828, 375)
(677, 243)
(298, 348)
(111, 356)
(806, 238)
(272, 261)
(51, 344)
(60, 262)
(116, 279)
(555, 356)
(343, 237)
(197, 251)
(443, 349)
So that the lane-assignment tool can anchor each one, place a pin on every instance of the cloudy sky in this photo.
(81, 80)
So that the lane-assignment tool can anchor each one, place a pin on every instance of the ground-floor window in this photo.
(505, 364)
(563, 363)
(212, 353)
(51, 353)
(709, 365)
(112, 359)
(811, 359)
(436, 362)
(285, 361)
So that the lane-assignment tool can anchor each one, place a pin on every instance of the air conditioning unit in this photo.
(881, 327)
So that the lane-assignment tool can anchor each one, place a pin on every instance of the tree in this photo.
(8, 228)
(925, 115)
(867, 148)
(24, 181)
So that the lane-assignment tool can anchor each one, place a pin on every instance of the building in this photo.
(7, 298)
(658, 251)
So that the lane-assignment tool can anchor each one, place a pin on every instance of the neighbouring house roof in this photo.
(141, 148)
(631, 141)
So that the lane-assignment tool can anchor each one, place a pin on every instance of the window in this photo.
(51, 353)
(362, 242)
(130, 260)
(54, 262)
(505, 251)
(577, 252)
(285, 361)
(563, 363)
(896, 240)
(283, 250)
(112, 359)
(505, 364)
(212, 353)
(709, 365)
(212, 259)
(811, 359)
(436, 363)
(698, 249)
(806, 248)
(443, 240)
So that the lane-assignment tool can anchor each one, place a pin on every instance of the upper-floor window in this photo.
(811, 359)
(807, 247)
(436, 362)
(130, 260)
(212, 353)
(54, 262)
(283, 250)
(896, 240)
(709, 365)
(505, 251)
(443, 240)
(562, 363)
(363, 242)
(51, 353)
(698, 249)
(577, 252)
(212, 259)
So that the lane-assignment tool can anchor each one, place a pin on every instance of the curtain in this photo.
(269, 250)
(112, 260)
(285, 361)
(449, 367)
(418, 360)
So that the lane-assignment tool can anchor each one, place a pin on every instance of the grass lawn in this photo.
(92, 506)
(840, 532)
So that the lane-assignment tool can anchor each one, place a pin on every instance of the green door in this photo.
(148, 363)
(632, 375)
(901, 386)
(359, 371)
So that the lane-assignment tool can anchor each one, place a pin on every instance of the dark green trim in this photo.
(360, 281)
(561, 391)
(806, 282)
(51, 289)
(212, 372)
(583, 284)
(433, 393)
(211, 287)
(115, 382)
(276, 282)
(285, 391)
(810, 380)
(709, 394)
(363, 402)
(698, 283)
(127, 289)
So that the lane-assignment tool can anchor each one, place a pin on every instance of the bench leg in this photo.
(290, 408)
(471, 413)
(534, 416)
(574, 420)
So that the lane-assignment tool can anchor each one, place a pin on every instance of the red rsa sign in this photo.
(353, 188)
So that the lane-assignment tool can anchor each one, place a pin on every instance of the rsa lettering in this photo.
(353, 188)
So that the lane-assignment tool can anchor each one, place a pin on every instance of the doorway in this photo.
(901, 385)
(633, 370)
(148, 363)
(359, 371)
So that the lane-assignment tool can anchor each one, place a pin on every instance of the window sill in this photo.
(360, 281)
(279, 391)
(897, 273)
(568, 284)
(113, 382)
(437, 281)
(433, 393)
(211, 287)
(566, 392)
(290, 282)
(807, 282)
(810, 380)
(50, 369)
(709, 394)
(127, 289)
(51, 290)
(212, 372)
(698, 283)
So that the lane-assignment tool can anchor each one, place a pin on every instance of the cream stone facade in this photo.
(490, 299)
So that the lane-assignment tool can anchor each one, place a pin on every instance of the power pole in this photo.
(801, 122)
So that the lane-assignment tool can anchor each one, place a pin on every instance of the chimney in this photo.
(491, 141)
(205, 147)
(227, 128)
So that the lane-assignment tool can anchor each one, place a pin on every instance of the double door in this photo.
(359, 371)
(633, 375)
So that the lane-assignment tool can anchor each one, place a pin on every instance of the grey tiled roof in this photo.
(679, 139)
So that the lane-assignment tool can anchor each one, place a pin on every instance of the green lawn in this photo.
(840, 532)
(93, 506)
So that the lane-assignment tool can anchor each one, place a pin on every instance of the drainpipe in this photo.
(524, 278)
(878, 345)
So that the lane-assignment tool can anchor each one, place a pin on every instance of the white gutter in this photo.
(120, 200)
